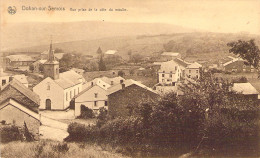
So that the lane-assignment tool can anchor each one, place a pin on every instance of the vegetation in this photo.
(247, 50)
(209, 120)
(53, 149)
(69, 61)
(86, 112)
(9, 133)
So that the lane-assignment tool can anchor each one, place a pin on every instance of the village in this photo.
(48, 105)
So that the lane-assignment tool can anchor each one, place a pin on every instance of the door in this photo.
(48, 104)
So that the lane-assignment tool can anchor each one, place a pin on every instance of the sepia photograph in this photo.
(129, 78)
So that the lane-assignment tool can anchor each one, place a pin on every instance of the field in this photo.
(52, 149)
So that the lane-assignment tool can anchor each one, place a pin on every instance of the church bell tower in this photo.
(51, 66)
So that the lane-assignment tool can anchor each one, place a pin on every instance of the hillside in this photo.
(22, 35)
(191, 45)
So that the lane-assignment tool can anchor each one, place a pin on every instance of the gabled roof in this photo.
(244, 88)
(21, 78)
(114, 79)
(86, 89)
(128, 83)
(24, 90)
(68, 79)
(20, 58)
(173, 54)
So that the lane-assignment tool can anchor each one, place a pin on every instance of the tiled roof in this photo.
(20, 58)
(127, 83)
(244, 88)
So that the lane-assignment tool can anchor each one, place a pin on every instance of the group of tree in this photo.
(208, 120)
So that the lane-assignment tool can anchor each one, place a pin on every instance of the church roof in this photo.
(69, 79)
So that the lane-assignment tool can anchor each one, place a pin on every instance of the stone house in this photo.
(238, 65)
(193, 70)
(19, 105)
(124, 97)
(21, 62)
(169, 73)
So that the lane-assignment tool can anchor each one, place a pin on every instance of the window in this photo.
(67, 96)
(162, 80)
(96, 95)
(197, 71)
(95, 103)
(171, 72)
(163, 71)
(197, 76)
(112, 82)
(162, 75)
(3, 82)
(173, 83)
(170, 75)
(175, 67)
(189, 76)
(189, 71)
(48, 86)
(105, 103)
(92, 83)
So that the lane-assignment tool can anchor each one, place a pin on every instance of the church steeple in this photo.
(51, 66)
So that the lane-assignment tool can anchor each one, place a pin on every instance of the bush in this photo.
(242, 79)
(9, 133)
(86, 112)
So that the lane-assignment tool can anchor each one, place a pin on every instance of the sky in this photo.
(209, 15)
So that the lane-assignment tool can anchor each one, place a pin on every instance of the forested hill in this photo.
(209, 45)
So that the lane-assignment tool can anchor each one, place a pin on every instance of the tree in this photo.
(101, 64)
(121, 73)
(129, 53)
(99, 51)
(41, 67)
(247, 50)
(31, 67)
(136, 58)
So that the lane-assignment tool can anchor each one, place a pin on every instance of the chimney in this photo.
(123, 86)
(121, 81)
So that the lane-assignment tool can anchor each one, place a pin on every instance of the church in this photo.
(56, 90)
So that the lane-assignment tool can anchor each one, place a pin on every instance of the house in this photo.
(110, 52)
(6, 78)
(19, 105)
(169, 73)
(94, 94)
(166, 56)
(238, 65)
(18, 62)
(193, 70)
(93, 97)
(246, 90)
(38, 65)
(125, 96)
(57, 89)
(79, 71)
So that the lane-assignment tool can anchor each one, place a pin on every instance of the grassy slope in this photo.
(49, 149)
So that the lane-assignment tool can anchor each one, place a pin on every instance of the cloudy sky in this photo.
(209, 15)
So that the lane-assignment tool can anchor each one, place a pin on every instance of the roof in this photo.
(181, 62)
(68, 79)
(24, 90)
(77, 70)
(114, 79)
(20, 58)
(194, 65)
(85, 90)
(21, 78)
(111, 52)
(157, 63)
(233, 60)
(244, 88)
(128, 83)
(40, 61)
(173, 54)
(57, 55)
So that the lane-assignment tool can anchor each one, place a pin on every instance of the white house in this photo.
(57, 89)
(93, 97)
(193, 70)
(169, 73)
